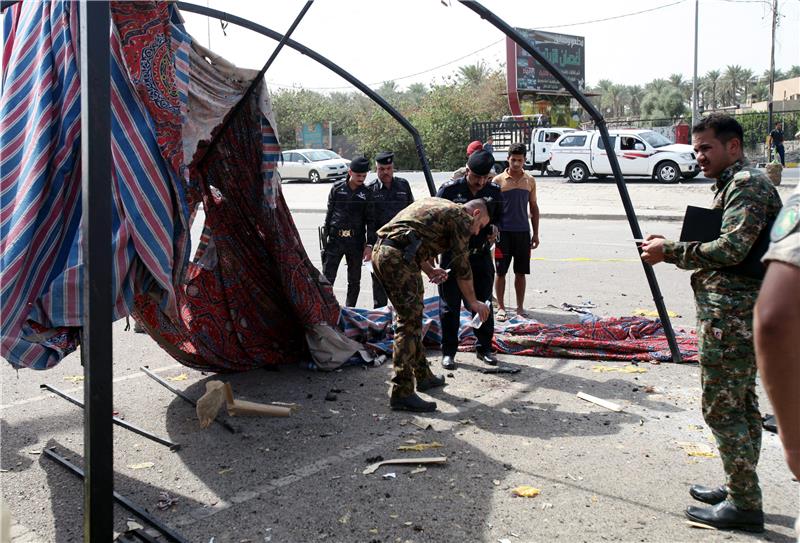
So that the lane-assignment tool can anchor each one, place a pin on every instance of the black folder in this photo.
(703, 225)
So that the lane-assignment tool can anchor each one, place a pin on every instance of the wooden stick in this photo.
(600, 401)
(243, 407)
(372, 468)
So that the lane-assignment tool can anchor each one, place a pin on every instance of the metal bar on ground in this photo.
(600, 122)
(344, 74)
(183, 396)
(118, 421)
(140, 512)
(96, 348)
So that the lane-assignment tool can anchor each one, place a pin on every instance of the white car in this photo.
(312, 165)
(581, 154)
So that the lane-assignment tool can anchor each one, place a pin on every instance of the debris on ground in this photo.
(244, 407)
(415, 471)
(693, 448)
(209, 404)
(390, 475)
(421, 460)
(600, 368)
(331, 396)
(639, 312)
(179, 377)
(165, 501)
(526, 491)
(141, 465)
(74, 379)
(600, 401)
(419, 447)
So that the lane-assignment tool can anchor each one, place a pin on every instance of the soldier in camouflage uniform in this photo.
(777, 327)
(406, 246)
(725, 297)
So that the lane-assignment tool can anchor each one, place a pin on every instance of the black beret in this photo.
(480, 162)
(359, 164)
(384, 157)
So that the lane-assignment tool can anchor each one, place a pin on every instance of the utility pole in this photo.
(772, 67)
(695, 112)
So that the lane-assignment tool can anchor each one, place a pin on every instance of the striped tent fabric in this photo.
(251, 290)
(41, 266)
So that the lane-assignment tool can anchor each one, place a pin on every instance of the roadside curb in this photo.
(575, 216)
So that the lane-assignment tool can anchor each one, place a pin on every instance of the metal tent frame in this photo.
(96, 350)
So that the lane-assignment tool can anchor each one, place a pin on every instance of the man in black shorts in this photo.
(519, 207)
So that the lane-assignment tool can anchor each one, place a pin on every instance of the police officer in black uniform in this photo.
(475, 184)
(390, 195)
(349, 212)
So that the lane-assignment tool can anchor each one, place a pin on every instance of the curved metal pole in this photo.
(600, 122)
(264, 31)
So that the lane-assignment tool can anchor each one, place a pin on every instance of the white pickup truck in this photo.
(538, 140)
(579, 155)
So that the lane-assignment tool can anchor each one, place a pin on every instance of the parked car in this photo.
(312, 165)
(579, 155)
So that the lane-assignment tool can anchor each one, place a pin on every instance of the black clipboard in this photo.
(704, 225)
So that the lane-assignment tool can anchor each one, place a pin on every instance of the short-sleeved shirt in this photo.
(441, 225)
(516, 201)
(785, 234)
(777, 136)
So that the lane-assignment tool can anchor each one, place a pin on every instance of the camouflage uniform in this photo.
(785, 235)
(725, 302)
(441, 226)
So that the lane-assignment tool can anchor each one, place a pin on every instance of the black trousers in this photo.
(379, 297)
(450, 300)
(353, 253)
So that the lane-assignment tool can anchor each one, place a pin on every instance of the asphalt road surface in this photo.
(602, 475)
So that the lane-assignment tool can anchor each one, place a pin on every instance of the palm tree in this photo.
(731, 83)
(677, 81)
(656, 85)
(473, 74)
(748, 79)
(710, 85)
(635, 95)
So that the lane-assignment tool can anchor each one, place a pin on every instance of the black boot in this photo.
(711, 496)
(488, 358)
(412, 403)
(726, 516)
(448, 362)
(428, 383)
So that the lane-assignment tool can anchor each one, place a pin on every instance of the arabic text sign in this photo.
(564, 51)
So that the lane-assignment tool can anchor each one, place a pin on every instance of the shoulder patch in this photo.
(787, 220)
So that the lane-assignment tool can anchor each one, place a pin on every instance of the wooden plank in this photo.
(372, 468)
(600, 401)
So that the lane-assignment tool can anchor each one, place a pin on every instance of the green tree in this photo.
(473, 74)
(710, 85)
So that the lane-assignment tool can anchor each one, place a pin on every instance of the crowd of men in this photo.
(741, 324)
(357, 212)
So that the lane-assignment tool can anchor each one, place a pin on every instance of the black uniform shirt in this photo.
(348, 210)
(777, 136)
(458, 191)
(387, 202)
